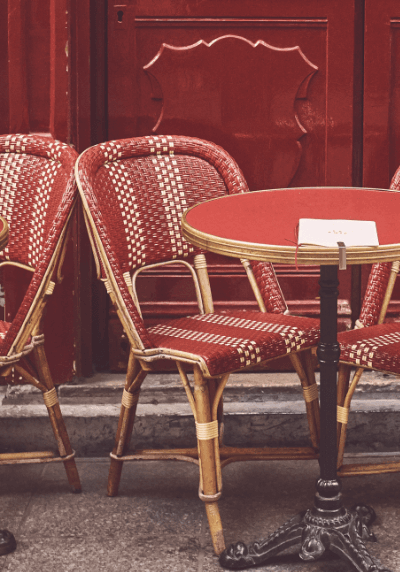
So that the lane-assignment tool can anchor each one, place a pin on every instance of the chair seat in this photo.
(234, 340)
(376, 347)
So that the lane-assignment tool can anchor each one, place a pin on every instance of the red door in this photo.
(381, 155)
(272, 82)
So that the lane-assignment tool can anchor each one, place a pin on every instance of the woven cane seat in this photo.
(376, 347)
(231, 341)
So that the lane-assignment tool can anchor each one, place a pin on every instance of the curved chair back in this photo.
(134, 193)
(37, 191)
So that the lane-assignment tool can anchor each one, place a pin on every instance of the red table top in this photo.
(264, 223)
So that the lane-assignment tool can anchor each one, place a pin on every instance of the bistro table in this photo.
(7, 540)
(262, 226)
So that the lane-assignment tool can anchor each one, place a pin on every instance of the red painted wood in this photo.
(35, 97)
(17, 68)
(59, 84)
(267, 95)
(4, 108)
(241, 217)
(381, 150)
(326, 114)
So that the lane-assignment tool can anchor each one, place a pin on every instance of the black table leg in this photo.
(7, 542)
(328, 525)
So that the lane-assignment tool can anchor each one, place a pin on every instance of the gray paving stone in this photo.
(158, 524)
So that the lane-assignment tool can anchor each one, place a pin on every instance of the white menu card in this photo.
(326, 232)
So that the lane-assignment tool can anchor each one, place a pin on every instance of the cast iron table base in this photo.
(328, 525)
(343, 533)
(7, 542)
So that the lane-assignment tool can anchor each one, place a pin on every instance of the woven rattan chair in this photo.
(37, 193)
(369, 346)
(134, 192)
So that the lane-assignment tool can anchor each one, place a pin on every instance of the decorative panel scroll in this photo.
(232, 88)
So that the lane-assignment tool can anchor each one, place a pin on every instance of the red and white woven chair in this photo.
(38, 192)
(134, 193)
(371, 345)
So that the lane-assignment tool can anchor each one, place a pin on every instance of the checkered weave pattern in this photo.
(376, 347)
(268, 285)
(378, 280)
(375, 293)
(228, 342)
(37, 190)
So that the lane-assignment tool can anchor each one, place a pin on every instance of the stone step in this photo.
(259, 409)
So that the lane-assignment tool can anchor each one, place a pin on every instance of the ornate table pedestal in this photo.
(328, 525)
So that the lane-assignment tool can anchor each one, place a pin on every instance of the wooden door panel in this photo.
(254, 78)
(381, 151)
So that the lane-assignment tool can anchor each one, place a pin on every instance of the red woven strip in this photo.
(375, 293)
(38, 171)
(236, 340)
(376, 347)
(267, 282)
(378, 280)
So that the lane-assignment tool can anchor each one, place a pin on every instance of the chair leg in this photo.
(310, 394)
(344, 406)
(134, 378)
(342, 389)
(56, 418)
(205, 430)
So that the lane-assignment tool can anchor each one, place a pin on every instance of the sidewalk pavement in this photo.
(158, 524)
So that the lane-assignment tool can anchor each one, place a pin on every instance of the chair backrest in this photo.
(37, 191)
(134, 193)
(380, 283)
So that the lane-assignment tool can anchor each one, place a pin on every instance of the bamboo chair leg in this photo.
(310, 394)
(208, 474)
(56, 419)
(310, 364)
(212, 389)
(342, 389)
(134, 378)
(343, 413)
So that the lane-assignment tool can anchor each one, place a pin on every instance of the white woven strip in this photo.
(128, 205)
(209, 498)
(129, 399)
(171, 189)
(108, 286)
(207, 431)
(128, 279)
(38, 211)
(50, 288)
(37, 340)
(50, 397)
(310, 393)
(342, 414)
(234, 322)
